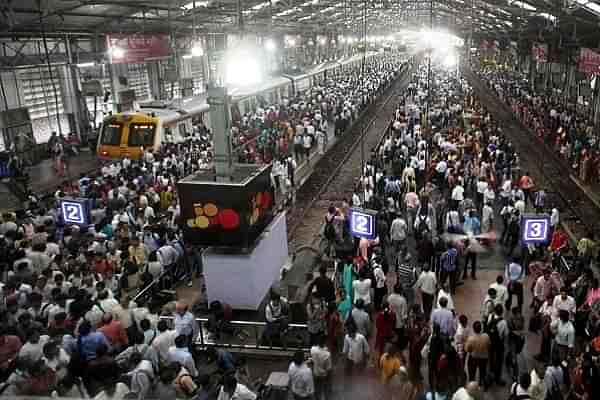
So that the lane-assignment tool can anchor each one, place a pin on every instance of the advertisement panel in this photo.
(539, 52)
(137, 48)
(589, 61)
(226, 214)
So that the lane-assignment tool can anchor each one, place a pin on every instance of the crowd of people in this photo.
(301, 124)
(447, 187)
(558, 124)
(72, 322)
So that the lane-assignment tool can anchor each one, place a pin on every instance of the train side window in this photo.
(141, 134)
(111, 134)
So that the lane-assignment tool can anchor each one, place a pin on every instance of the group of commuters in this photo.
(300, 125)
(72, 322)
(447, 187)
(563, 126)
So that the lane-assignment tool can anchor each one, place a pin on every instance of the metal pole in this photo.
(429, 66)
(364, 59)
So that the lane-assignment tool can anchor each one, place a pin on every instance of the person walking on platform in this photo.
(426, 283)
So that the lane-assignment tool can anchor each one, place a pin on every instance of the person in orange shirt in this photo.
(526, 184)
(114, 331)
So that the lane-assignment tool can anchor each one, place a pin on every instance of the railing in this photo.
(248, 335)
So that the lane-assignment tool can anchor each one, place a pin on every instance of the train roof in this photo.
(332, 64)
(173, 110)
(239, 92)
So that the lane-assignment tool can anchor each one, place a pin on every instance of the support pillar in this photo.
(118, 83)
(532, 74)
(154, 80)
(220, 121)
(596, 102)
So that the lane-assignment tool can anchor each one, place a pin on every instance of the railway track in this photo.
(578, 211)
(335, 174)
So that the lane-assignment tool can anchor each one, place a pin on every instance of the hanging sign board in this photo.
(75, 211)
(535, 229)
(589, 61)
(539, 52)
(137, 48)
(362, 223)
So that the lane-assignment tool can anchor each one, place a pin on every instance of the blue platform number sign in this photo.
(73, 212)
(535, 229)
(362, 223)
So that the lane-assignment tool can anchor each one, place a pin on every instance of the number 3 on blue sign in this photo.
(535, 229)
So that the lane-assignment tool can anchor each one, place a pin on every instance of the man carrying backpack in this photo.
(497, 330)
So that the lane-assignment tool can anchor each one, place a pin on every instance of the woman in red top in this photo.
(385, 323)
(559, 240)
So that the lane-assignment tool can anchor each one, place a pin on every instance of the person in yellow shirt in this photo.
(390, 364)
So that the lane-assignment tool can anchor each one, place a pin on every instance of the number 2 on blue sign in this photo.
(73, 213)
(361, 224)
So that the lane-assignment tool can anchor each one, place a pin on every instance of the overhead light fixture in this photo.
(270, 45)
(197, 51)
(117, 52)
(322, 41)
(186, 56)
(86, 64)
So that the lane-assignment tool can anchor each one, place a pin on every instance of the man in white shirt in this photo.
(501, 291)
(426, 283)
(398, 232)
(469, 392)
(232, 390)
(165, 340)
(564, 302)
(322, 366)
(301, 378)
(356, 347)
(457, 195)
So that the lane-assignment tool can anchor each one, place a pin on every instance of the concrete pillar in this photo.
(220, 123)
(596, 102)
(532, 74)
(118, 83)
(154, 79)
(186, 83)
(73, 102)
(10, 97)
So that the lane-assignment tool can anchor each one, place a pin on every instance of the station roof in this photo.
(488, 18)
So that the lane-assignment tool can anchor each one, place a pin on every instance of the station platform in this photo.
(43, 176)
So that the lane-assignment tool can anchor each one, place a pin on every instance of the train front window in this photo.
(111, 134)
(141, 135)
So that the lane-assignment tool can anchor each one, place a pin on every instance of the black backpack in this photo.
(422, 227)
(329, 231)
(493, 332)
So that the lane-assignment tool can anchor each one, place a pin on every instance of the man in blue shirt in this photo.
(448, 267)
(222, 358)
(88, 342)
(184, 321)
(180, 354)
(444, 318)
(514, 276)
